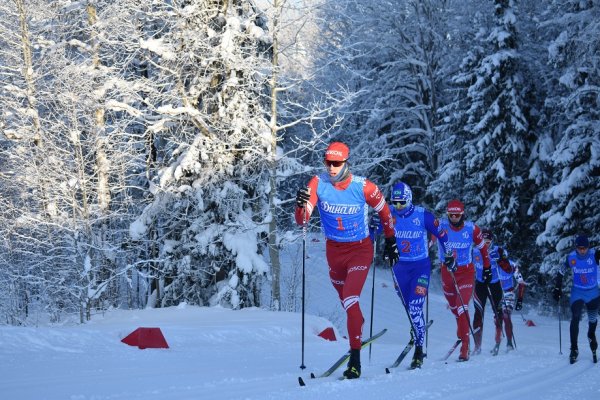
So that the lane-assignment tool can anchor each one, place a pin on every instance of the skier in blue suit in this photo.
(584, 263)
(413, 269)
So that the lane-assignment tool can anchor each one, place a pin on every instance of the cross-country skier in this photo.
(462, 235)
(507, 280)
(413, 269)
(342, 200)
(584, 291)
(498, 260)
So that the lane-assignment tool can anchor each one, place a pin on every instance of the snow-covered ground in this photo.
(217, 353)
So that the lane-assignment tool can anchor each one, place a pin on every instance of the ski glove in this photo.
(556, 293)
(519, 304)
(374, 222)
(302, 196)
(487, 275)
(390, 252)
(450, 262)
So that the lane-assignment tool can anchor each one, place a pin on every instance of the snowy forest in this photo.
(151, 150)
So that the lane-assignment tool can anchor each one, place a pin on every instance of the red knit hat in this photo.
(337, 151)
(455, 207)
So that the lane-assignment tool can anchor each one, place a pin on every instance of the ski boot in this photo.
(573, 355)
(464, 351)
(509, 346)
(417, 360)
(476, 350)
(495, 350)
(353, 370)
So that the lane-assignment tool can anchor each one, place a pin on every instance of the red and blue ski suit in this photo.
(460, 242)
(349, 249)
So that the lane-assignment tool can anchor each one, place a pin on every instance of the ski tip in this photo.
(301, 381)
(312, 375)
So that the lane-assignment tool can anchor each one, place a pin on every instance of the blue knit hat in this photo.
(582, 241)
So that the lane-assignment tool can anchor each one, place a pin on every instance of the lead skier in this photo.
(342, 200)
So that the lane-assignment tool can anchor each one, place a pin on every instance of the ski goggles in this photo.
(454, 216)
(336, 164)
(399, 204)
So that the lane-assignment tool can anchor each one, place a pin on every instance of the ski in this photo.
(342, 359)
(454, 346)
(406, 350)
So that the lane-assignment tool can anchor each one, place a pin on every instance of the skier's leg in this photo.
(348, 270)
(592, 311)
(416, 300)
(465, 278)
(576, 310)
(496, 300)
(479, 301)
(450, 294)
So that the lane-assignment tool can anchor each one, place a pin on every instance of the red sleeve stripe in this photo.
(380, 205)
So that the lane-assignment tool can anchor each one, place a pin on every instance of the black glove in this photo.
(556, 293)
(390, 252)
(487, 275)
(374, 222)
(450, 262)
(302, 196)
(519, 304)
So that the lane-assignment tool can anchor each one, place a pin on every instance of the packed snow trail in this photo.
(217, 353)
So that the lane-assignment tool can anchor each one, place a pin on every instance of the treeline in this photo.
(149, 150)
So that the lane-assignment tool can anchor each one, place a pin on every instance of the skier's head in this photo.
(336, 161)
(337, 151)
(456, 212)
(488, 236)
(582, 244)
(401, 197)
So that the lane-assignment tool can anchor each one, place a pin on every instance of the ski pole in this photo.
(372, 299)
(462, 303)
(413, 329)
(559, 330)
(304, 229)
(513, 337)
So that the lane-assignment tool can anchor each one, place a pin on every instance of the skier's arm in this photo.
(503, 260)
(375, 199)
(521, 285)
(558, 280)
(302, 214)
(483, 249)
(432, 225)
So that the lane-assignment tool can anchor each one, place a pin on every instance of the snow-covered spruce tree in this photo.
(209, 210)
(569, 149)
(498, 136)
(388, 56)
(466, 23)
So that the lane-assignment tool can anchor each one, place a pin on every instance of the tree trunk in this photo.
(273, 245)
